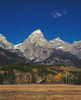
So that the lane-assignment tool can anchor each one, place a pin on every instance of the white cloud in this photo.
(57, 14)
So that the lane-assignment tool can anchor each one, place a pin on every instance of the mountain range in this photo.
(37, 49)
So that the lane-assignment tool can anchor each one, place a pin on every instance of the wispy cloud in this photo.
(57, 14)
(64, 12)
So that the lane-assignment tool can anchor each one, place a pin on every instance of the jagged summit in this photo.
(37, 37)
(76, 42)
(4, 43)
(58, 39)
(37, 48)
(2, 37)
(1, 34)
(37, 33)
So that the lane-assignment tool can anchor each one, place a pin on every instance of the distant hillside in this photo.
(61, 57)
(7, 57)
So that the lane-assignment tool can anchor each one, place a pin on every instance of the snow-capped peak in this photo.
(57, 39)
(37, 33)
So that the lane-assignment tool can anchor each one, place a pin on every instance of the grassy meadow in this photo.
(40, 92)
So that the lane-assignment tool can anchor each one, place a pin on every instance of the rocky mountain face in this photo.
(36, 38)
(37, 49)
(8, 57)
(4, 43)
(60, 44)
(61, 57)
(76, 49)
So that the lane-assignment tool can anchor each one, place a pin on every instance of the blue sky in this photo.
(55, 18)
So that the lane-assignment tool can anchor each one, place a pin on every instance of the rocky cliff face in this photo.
(60, 44)
(36, 38)
(37, 49)
(4, 43)
(61, 57)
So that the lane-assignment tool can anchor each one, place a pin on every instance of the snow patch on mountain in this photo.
(17, 46)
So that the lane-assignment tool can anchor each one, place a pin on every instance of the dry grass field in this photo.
(40, 92)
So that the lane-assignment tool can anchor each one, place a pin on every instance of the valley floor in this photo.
(40, 92)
